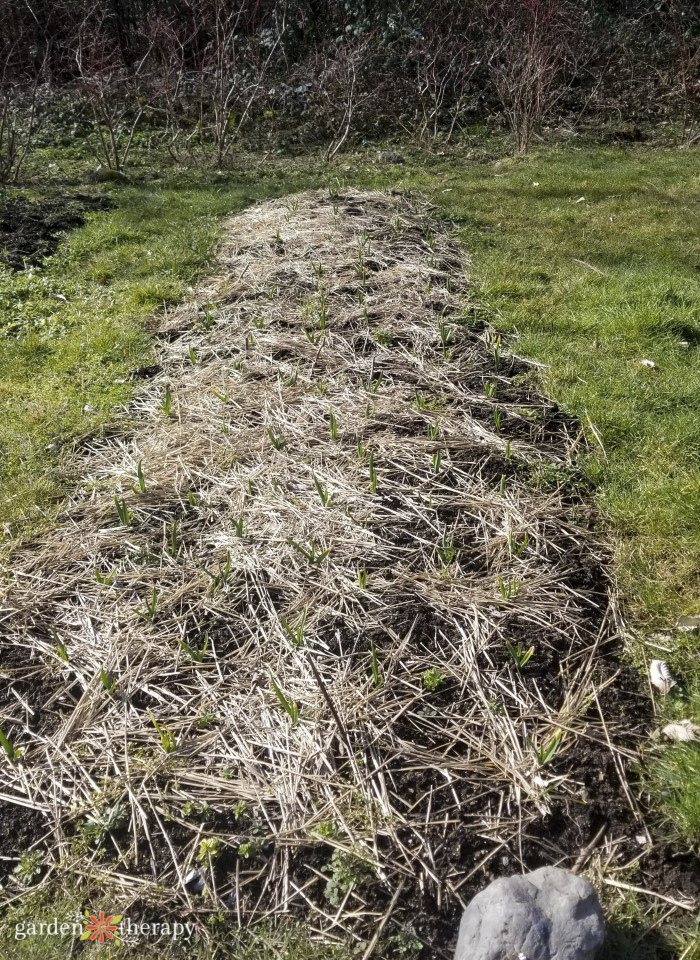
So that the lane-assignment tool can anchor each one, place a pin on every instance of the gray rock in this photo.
(688, 623)
(390, 156)
(550, 914)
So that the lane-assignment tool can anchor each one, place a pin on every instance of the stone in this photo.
(550, 914)
(688, 623)
(390, 156)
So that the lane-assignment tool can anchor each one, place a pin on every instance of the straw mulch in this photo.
(291, 665)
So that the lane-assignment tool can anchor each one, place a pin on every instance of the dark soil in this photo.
(30, 231)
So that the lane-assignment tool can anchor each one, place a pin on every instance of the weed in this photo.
(97, 825)
(347, 870)
(249, 849)
(109, 684)
(446, 551)
(209, 850)
(28, 870)
(432, 679)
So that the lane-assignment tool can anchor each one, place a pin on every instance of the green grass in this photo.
(591, 287)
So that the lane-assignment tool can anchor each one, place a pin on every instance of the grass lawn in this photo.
(589, 254)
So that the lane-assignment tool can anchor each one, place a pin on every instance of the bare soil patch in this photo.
(31, 231)
(281, 631)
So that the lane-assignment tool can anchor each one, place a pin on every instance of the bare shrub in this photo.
(529, 44)
(17, 126)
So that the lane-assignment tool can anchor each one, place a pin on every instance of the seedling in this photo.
(196, 654)
(521, 657)
(432, 679)
(28, 870)
(276, 439)
(446, 551)
(166, 405)
(510, 589)
(434, 430)
(323, 317)
(446, 336)
(11, 751)
(238, 526)
(173, 539)
(167, 739)
(322, 491)
(151, 606)
(362, 450)
(421, 402)
(109, 684)
(374, 383)
(437, 461)
(333, 424)
(497, 354)
(140, 477)
(362, 577)
(192, 355)
(490, 389)
(548, 750)
(312, 553)
(517, 549)
(372, 473)
(376, 675)
(220, 579)
(104, 579)
(295, 634)
(508, 454)
(125, 515)
(209, 848)
(60, 648)
(502, 485)
(209, 320)
(290, 707)
(220, 396)
(310, 336)
(496, 413)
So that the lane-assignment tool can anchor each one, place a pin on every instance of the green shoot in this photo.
(258, 322)
(220, 396)
(108, 683)
(208, 322)
(166, 405)
(173, 539)
(434, 430)
(502, 485)
(421, 402)
(376, 675)
(125, 515)
(362, 450)
(104, 579)
(151, 606)
(521, 657)
(497, 354)
(511, 589)
(12, 753)
(289, 706)
(60, 648)
(192, 355)
(517, 549)
(548, 751)
(497, 419)
(446, 551)
(276, 439)
(374, 383)
(310, 336)
(362, 577)
(372, 473)
(167, 739)
(508, 454)
(238, 526)
(220, 578)
(322, 491)
(295, 634)
(446, 336)
(140, 477)
(312, 553)
(333, 424)
(437, 461)
(490, 389)
(196, 654)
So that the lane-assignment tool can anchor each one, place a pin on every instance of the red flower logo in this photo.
(101, 928)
